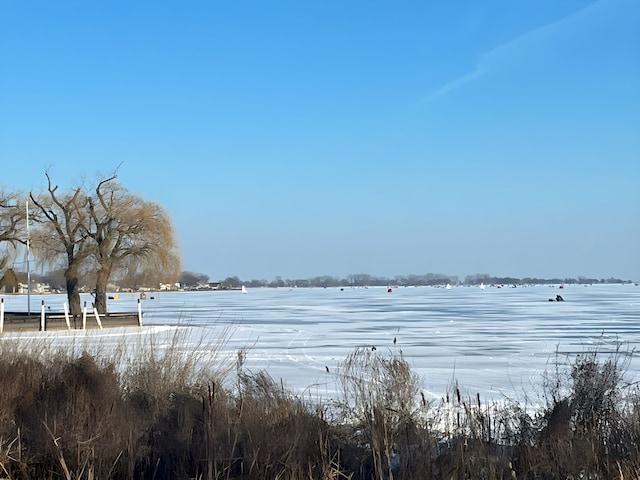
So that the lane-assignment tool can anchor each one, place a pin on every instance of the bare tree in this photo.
(62, 235)
(55, 279)
(12, 234)
(128, 230)
(95, 236)
(191, 278)
(12, 217)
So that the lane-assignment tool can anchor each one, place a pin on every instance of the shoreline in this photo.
(55, 321)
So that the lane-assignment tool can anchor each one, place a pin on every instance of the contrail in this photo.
(454, 84)
(485, 59)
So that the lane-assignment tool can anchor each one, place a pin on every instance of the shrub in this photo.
(167, 413)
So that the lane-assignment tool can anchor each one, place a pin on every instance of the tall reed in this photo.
(149, 407)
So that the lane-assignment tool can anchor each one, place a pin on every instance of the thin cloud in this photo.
(485, 59)
(455, 84)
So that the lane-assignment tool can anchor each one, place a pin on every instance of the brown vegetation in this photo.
(164, 413)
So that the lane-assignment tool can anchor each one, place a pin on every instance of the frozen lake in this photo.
(497, 341)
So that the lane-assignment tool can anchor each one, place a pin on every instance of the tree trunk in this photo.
(73, 293)
(101, 290)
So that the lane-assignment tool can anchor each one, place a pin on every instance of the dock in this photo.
(53, 321)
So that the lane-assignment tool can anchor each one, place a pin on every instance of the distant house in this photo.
(35, 288)
(43, 288)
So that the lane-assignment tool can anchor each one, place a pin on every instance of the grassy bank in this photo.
(162, 413)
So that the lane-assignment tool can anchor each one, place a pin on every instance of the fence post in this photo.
(43, 325)
(95, 312)
(139, 313)
(1, 315)
(66, 315)
(84, 316)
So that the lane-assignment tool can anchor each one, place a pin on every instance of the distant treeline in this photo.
(187, 279)
(429, 279)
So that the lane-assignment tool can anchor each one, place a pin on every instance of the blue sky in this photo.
(308, 138)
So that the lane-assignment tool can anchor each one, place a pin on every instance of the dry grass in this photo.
(147, 409)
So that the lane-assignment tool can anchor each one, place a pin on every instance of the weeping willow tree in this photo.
(129, 231)
(60, 235)
(12, 233)
(96, 233)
